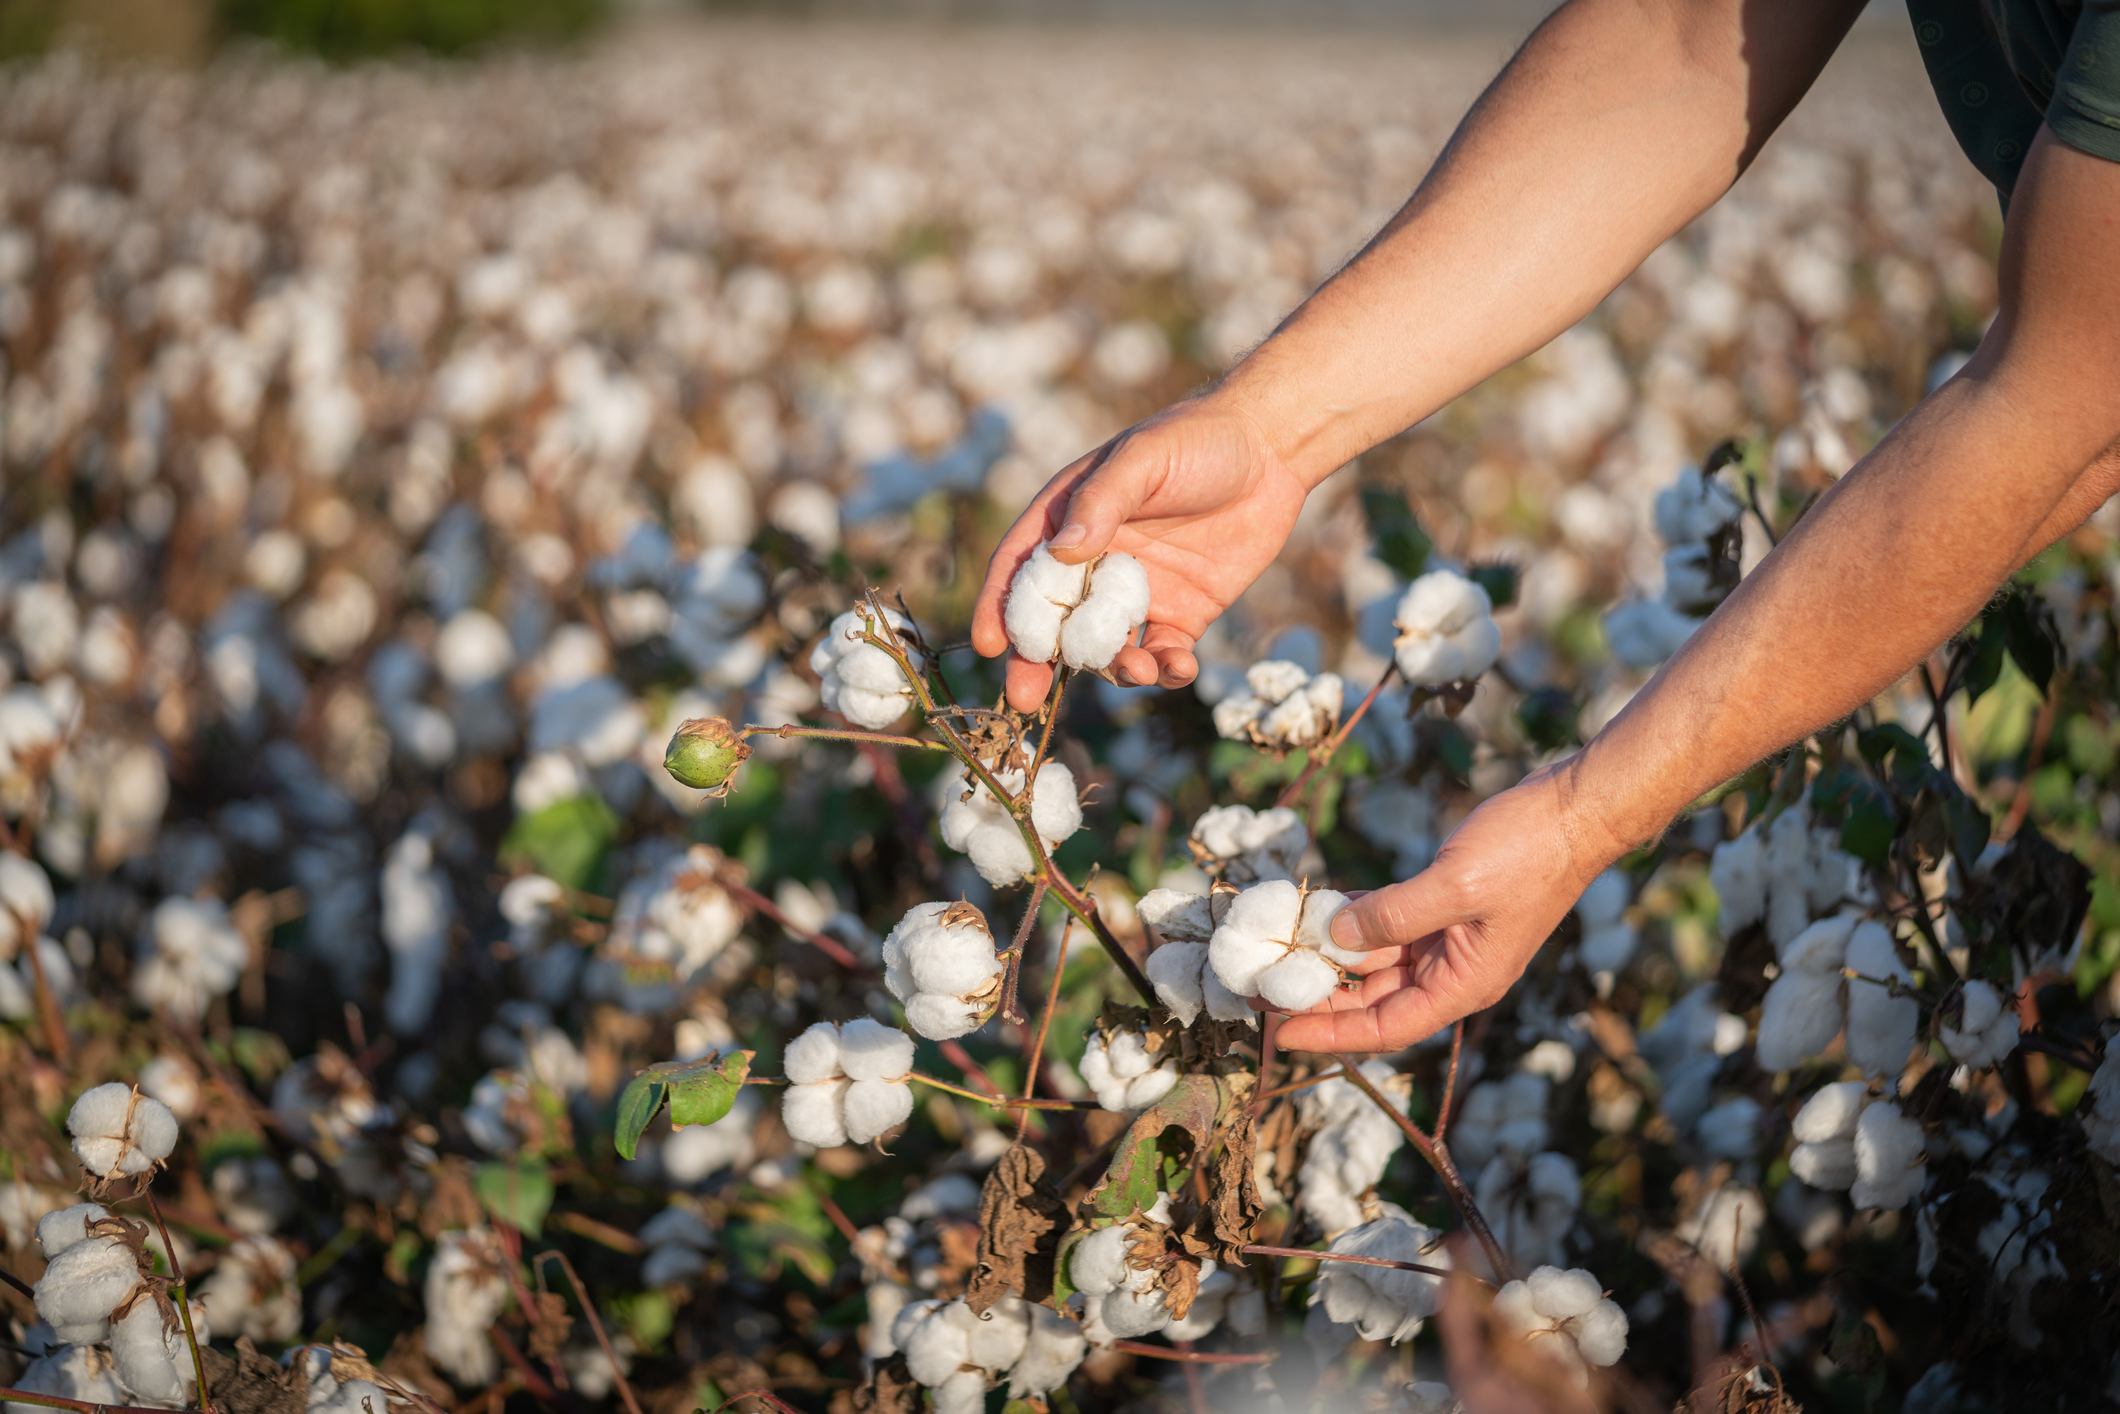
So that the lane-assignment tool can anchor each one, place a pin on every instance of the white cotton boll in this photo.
(813, 1056)
(1694, 507)
(1235, 715)
(885, 1300)
(1080, 616)
(1446, 630)
(997, 1340)
(547, 778)
(1239, 958)
(1644, 632)
(1881, 1027)
(872, 1107)
(189, 954)
(1144, 1090)
(941, 1018)
(1056, 808)
(83, 1285)
(1383, 1303)
(815, 1114)
(1223, 1004)
(1275, 680)
(144, 1349)
(168, 1079)
(844, 650)
(466, 1290)
(869, 1050)
(1563, 1295)
(1987, 1030)
(65, 1227)
(1054, 1348)
(1798, 1020)
(25, 902)
(1094, 632)
(1314, 927)
(1129, 1055)
(1601, 1333)
(252, 1292)
(934, 1347)
(1731, 1129)
(1209, 1304)
(81, 1372)
(1272, 909)
(1129, 1315)
(696, 1152)
(252, 1194)
(1179, 916)
(1174, 971)
(1825, 1163)
(952, 962)
(1098, 1262)
(1831, 1113)
(1298, 981)
(118, 1131)
(962, 1393)
(418, 905)
(1738, 871)
(1889, 1158)
(472, 648)
(1039, 598)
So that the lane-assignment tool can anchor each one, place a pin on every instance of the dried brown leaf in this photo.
(889, 1389)
(249, 1383)
(1234, 1206)
(1021, 1220)
(548, 1333)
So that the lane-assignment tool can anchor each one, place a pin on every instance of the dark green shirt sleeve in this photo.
(2085, 112)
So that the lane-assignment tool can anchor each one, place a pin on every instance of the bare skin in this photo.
(1615, 125)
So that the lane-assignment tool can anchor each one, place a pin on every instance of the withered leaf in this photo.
(889, 1389)
(249, 1383)
(1234, 1206)
(548, 1334)
(1020, 1222)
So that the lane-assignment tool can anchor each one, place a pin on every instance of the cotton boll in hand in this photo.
(1446, 630)
(1275, 942)
(1081, 615)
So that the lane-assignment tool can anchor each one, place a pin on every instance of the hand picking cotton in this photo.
(857, 679)
(1284, 708)
(847, 1083)
(1276, 943)
(941, 964)
(1080, 614)
(1446, 629)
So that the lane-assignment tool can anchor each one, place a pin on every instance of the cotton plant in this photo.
(1688, 1046)
(1351, 1144)
(1695, 516)
(1816, 998)
(1179, 969)
(1446, 630)
(1566, 1318)
(979, 824)
(1079, 615)
(858, 679)
(1120, 1300)
(1123, 1072)
(189, 953)
(1244, 846)
(1276, 942)
(847, 1083)
(252, 1292)
(940, 963)
(1283, 707)
(1383, 1303)
(98, 1288)
(957, 1354)
(1848, 1138)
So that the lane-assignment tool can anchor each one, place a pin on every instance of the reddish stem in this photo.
(759, 903)
(1319, 756)
(1197, 1357)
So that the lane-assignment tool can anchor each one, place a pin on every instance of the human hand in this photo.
(1452, 939)
(1195, 493)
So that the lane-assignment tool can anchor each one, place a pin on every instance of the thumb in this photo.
(1105, 500)
(1405, 913)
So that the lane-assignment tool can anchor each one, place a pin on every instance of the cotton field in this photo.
(397, 457)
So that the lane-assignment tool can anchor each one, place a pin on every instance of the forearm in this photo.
(1616, 124)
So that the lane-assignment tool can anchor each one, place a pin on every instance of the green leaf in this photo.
(1158, 1148)
(1499, 580)
(517, 1192)
(699, 1092)
(566, 841)
(1400, 541)
(1969, 827)
(1867, 831)
(1985, 664)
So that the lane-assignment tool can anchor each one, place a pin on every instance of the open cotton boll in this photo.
(934, 1348)
(466, 1291)
(1187, 984)
(1530, 1202)
(1180, 917)
(1285, 708)
(1643, 633)
(859, 680)
(118, 1131)
(83, 1284)
(251, 1291)
(1446, 630)
(1890, 1158)
(1351, 1146)
(813, 1056)
(962, 1393)
(1497, 1115)
(1098, 1262)
(418, 904)
(1694, 507)
(873, 1107)
(1803, 1010)
(1987, 1029)
(869, 1050)
(1383, 1303)
(80, 1372)
(1123, 1074)
(189, 953)
(1824, 1130)
(816, 1113)
(1738, 870)
(62, 1228)
(940, 962)
(1054, 1347)
(1246, 846)
(1881, 1026)
(25, 902)
(1077, 614)
(150, 1354)
(976, 823)
(1566, 1317)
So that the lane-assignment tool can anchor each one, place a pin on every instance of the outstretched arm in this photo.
(1896, 557)
(1617, 123)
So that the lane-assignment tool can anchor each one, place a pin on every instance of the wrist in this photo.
(1291, 425)
(1606, 813)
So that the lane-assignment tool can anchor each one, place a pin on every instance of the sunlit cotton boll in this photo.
(847, 1083)
(1081, 615)
(1446, 630)
(978, 824)
(1246, 846)
(1987, 1028)
(858, 679)
(1566, 1318)
(1383, 1303)
(152, 1353)
(171, 1080)
(85, 1276)
(189, 953)
(251, 1291)
(466, 1291)
(1351, 1144)
(1123, 1073)
(1184, 980)
(1803, 1010)
(1275, 942)
(940, 963)
(1282, 709)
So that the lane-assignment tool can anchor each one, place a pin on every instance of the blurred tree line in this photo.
(186, 30)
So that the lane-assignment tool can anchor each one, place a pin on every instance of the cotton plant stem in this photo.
(55, 1038)
(1457, 1046)
(1195, 1387)
(1197, 1357)
(1045, 1024)
(54, 1401)
(18, 1283)
(1892, 985)
(581, 1294)
(1320, 756)
(1013, 979)
(797, 729)
(1289, 1089)
(1438, 1156)
(999, 1102)
(176, 1269)
(759, 903)
(1263, 1250)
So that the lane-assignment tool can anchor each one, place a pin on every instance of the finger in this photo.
(1028, 683)
(1135, 667)
(1429, 902)
(1104, 500)
(1173, 651)
(1038, 521)
(1391, 1012)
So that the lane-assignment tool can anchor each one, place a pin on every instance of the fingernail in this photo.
(1347, 931)
(1069, 537)
(1126, 678)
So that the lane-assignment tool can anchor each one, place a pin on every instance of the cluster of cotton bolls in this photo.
(1180, 970)
(941, 964)
(1813, 1000)
(1351, 1144)
(1245, 846)
(1847, 1137)
(1275, 941)
(957, 1353)
(1376, 1303)
(1120, 1298)
(1079, 615)
(1283, 708)
(1123, 1072)
(1566, 1317)
(847, 1083)
(978, 823)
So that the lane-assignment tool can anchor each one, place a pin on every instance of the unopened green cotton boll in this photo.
(705, 753)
